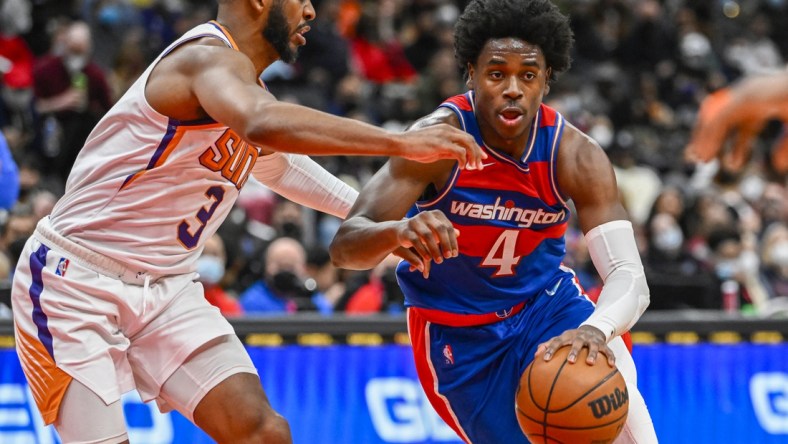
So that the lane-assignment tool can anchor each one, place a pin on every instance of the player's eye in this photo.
(529, 76)
(496, 75)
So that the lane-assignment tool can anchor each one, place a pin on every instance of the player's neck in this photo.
(513, 147)
(250, 41)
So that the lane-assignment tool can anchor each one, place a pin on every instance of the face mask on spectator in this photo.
(727, 268)
(75, 63)
(779, 254)
(669, 239)
(210, 269)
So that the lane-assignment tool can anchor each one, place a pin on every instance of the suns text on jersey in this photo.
(525, 217)
(232, 156)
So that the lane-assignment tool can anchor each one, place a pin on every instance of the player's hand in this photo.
(583, 336)
(427, 237)
(443, 141)
(724, 116)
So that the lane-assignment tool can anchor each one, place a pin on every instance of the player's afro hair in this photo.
(538, 22)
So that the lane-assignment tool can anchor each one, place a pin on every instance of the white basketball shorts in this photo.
(75, 320)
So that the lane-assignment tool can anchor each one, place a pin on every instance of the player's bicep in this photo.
(229, 92)
(586, 176)
(392, 191)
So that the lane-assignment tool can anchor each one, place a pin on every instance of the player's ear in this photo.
(469, 79)
(258, 5)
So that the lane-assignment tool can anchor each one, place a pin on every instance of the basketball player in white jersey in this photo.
(105, 296)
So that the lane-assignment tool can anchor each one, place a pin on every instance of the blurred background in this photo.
(714, 243)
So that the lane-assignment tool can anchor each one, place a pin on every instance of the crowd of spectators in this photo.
(709, 238)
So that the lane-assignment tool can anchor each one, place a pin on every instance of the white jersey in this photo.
(147, 190)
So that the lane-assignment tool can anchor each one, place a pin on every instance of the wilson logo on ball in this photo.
(607, 404)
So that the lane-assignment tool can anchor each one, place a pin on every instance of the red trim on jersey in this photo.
(549, 116)
(540, 178)
(496, 177)
(417, 327)
(461, 102)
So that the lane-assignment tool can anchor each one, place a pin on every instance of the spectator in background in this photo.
(9, 177)
(128, 65)
(281, 289)
(381, 293)
(210, 268)
(71, 94)
(774, 256)
(16, 74)
(376, 52)
(325, 276)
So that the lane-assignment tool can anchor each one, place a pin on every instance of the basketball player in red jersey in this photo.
(105, 294)
(485, 286)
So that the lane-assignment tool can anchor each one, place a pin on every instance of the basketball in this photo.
(559, 402)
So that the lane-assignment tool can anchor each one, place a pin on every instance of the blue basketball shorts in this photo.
(471, 374)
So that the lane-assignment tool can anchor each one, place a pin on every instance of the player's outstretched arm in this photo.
(229, 93)
(586, 176)
(375, 226)
(739, 112)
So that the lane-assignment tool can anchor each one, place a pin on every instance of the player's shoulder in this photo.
(575, 142)
(205, 52)
(441, 115)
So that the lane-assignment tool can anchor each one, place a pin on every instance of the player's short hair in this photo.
(538, 22)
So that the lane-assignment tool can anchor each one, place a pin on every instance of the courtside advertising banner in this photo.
(342, 394)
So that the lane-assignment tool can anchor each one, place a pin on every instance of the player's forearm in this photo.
(303, 181)
(360, 243)
(625, 294)
(290, 128)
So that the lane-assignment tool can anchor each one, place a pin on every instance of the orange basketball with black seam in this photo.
(560, 402)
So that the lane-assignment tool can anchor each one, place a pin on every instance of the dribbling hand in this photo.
(443, 141)
(427, 237)
(583, 336)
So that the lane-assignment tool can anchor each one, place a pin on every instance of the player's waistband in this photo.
(89, 258)
(466, 320)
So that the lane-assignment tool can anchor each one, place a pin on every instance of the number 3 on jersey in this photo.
(189, 240)
(501, 254)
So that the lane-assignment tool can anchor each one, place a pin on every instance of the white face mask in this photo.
(669, 239)
(779, 254)
(210, 269)
(75, 63)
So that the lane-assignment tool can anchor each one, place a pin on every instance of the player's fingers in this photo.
(413, 242)
(448, 236)
(710, 130)
(472, 153)
(427, 267)
(408, 255)
(541, 348)
(742, 146)
(780, 154)
(577, 345)
(552, 346)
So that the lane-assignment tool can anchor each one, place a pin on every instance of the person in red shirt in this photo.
(71, 95)
(210, 267)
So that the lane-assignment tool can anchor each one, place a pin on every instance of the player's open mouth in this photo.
(511, 116)
(299, 35)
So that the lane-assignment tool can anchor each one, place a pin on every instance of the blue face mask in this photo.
(210, 269)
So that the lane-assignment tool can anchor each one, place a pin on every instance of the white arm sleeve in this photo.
(625, 294)
(299, 178)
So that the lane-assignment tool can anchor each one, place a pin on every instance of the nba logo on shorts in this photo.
(62, 266)
(447, 353)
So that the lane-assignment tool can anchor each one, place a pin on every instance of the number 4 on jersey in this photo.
(501, 254)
